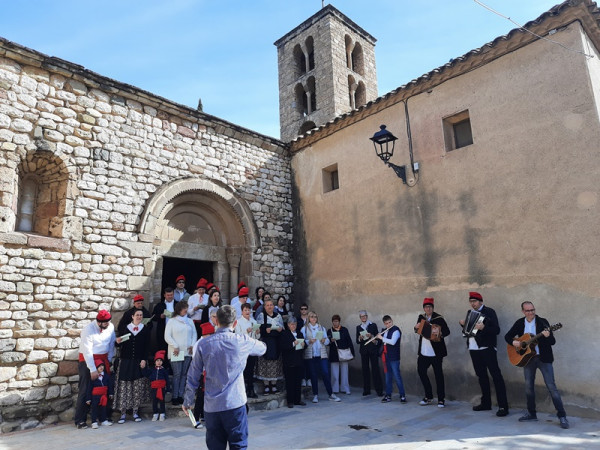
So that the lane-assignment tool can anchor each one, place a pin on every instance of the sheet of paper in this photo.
(299, 344)
(255, 326)
(319, 335)
(364, 333)
(191, 416)
(125, 337)
(335, 335)
(179, 357)
(145, 320)
(168, 314)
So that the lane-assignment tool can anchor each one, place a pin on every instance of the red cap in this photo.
(428, 301)
(244, 292)
(103, 316)
(209, 286)
(180, 277)
(241, 285)
(159, 355)
(99, 362)
(202, 282)
(138, 298)
(207, 328)
(476, 296)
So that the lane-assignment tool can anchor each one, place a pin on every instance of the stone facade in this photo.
(513, 214)
(99, 183)
(326, 68)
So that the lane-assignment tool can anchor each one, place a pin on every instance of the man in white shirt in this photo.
(235, 300)
(242, 299)
(244, 326)
(197, 301)
(97, 341)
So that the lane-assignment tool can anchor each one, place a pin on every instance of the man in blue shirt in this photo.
(223, 356)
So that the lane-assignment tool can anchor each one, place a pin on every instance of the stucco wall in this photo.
(513, 215)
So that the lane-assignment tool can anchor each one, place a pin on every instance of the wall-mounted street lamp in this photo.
(384, 143)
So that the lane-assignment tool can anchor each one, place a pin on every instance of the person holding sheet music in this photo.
(431, 353)
(482, 348)
(369, 354)
(269, 368)
(138, 303)
(292, 349)
(340, 339)
(247, 326)
(132, 388)
(316, 341)
(534, 324)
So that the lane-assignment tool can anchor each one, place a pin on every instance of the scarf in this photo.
(102, 391)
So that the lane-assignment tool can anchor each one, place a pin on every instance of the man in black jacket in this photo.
(534, 324)
(369, 354)
(482, 348)
(431, 353)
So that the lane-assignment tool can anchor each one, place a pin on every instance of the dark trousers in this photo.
(81, 408)
(224, 427)
(484, 361)
(548, 373)
(249, 372)
(423, 363)
(98, 412)
(158, 406)
(293, 381)
(373, 373)
(199, 405)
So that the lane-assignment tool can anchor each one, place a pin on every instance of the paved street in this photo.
(356, 422)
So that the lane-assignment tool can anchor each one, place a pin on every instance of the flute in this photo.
(375, 337)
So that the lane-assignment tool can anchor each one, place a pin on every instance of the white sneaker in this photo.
(161, 417)
(106, 423)
(316, 399)
(122, 419)
(303, 382)
(95, 425)
(308, 383)
(334, 398)
(199, 426)
(154, 417)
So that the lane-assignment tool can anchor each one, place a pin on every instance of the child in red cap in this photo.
(101, 389)
(159, 382)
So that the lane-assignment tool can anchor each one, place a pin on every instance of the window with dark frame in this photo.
(331, 181)
(457, 131)
(462, 134)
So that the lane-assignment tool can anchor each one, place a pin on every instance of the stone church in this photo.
(107, 191)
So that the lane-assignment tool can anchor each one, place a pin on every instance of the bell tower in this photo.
(326, 68)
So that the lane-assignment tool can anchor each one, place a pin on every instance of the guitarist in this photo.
(534, 324)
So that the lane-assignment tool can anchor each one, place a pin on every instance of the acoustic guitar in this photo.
(521, 357)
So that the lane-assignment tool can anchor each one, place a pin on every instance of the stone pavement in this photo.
(356, 422)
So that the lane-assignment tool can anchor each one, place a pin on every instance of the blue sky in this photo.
(223, 52)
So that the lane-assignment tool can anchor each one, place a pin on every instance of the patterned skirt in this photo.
(130, 394)
(269, 369)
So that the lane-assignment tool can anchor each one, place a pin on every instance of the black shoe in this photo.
(528, 418)
(380, 394)
(366, 393)
(82, 426)
(482, 408)
(290, 405)
(402, 399)
(502, 412)
(386, 399)
(564, 423)
(300, 403)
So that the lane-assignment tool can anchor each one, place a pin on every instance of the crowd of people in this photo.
(281, 351)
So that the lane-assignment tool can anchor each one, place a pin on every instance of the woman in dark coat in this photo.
(131, 387)
(214, 303)
(269, 368)
(339, 369)
(292, 355)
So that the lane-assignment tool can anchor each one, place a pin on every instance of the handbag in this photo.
(345, 354)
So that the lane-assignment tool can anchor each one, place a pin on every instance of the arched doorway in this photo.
(200, 228)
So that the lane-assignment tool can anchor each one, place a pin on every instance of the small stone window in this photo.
(26, 205)
(310, 50)
(457, 131)
(331, 181)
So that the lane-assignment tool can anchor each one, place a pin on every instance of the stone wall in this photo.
(109, 149)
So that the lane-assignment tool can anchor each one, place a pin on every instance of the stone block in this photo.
(45, 343)
(52, 392)
(48, 370)
(139, 283)
(9, 427)
(10, 398)
(24, 287)
(41, 382)
(29, 424)
(34, 394)
(27, 372)
(67, 414)
(68, 368)
(12, 357)
(65, 391)
(49, 243)
(59, 380)
(13, 238)
(37, 356)
(138, 249)
(6, 373)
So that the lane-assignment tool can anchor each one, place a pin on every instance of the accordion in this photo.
(472, 319)
(429, 331)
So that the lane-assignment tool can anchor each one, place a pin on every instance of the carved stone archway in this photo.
(203, 220)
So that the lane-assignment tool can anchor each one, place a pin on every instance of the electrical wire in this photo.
(587, 55)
